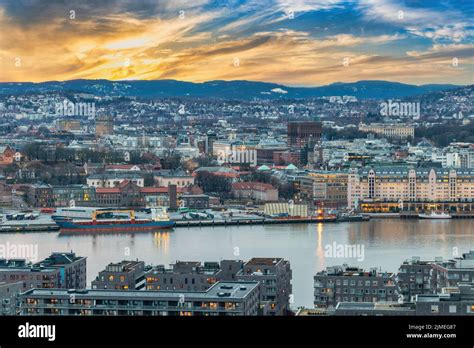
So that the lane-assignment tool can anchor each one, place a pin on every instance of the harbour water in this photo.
(384, 243)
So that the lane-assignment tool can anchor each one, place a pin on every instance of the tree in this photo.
(171, 161)
(211, 183)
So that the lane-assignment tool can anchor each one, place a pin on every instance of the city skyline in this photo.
(294, 43)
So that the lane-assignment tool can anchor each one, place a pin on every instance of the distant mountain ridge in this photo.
(234, 90)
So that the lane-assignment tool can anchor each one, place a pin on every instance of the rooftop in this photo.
(267, 261)
(219, 291)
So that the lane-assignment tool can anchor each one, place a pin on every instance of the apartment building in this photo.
(123, 275)
(8, 297)
(453, 272)
(451, 301)
(191, 275)
(72, 269)
(273, 274)
(221, 299)
(414, 277)
(351, 284)
(18, 270)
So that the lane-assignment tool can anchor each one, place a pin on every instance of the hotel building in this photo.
(406, 188)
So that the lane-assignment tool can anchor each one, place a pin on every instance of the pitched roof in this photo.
(254, 186)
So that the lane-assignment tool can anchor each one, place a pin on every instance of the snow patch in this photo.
(279, 90)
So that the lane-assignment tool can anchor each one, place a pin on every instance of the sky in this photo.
(292, 42)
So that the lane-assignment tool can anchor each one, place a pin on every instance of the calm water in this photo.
(387, 242)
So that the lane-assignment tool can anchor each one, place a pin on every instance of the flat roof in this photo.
(263, 261)
(237, 290)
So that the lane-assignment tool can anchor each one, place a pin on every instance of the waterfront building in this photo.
(351, 284)
(394, 188)
(273, 274)
(222, 299)
(82, 195)
(195, 201)
(124, 275)
(126, 194)
(389, 130)
(72, 269)
(327, 188)
(40, 195)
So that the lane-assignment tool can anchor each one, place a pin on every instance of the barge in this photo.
(117, 225)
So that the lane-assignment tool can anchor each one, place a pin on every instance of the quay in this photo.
(50, 226)
(243, 222)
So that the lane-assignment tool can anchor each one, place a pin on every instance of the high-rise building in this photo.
(302, 133)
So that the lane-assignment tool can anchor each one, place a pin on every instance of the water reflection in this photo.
(387, 242)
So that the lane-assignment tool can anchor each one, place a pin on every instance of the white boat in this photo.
(435, 215)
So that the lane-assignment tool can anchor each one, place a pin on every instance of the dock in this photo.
(29, 228)
(243, 222)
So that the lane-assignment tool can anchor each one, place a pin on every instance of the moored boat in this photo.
(435, 215)
(94, 225)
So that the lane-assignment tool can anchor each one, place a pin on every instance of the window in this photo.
(453, 309)
(434, 309)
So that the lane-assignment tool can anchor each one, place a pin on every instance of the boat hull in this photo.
(74, 227)
(434, 216)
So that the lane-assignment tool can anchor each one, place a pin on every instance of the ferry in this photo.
(435, 215)
(157, 222)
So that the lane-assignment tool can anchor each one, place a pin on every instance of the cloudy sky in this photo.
(293, 42)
